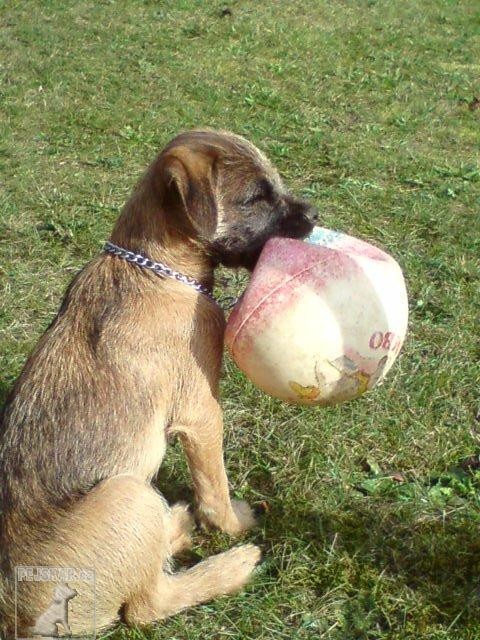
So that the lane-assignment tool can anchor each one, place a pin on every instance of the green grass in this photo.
(364, 106)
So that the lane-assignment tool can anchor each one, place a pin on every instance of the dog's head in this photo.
(220, 189)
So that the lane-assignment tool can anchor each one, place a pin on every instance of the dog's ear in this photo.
(188, 178)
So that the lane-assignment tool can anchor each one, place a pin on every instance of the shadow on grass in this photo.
(397, 564)
(172, 484)
(433, 558)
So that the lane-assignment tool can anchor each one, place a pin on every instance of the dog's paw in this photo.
(237, 518)
(244, 517)
(234, 519)
(238, 565)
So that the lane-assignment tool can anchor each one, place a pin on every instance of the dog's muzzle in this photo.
(299, 221)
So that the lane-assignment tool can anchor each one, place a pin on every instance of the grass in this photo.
(368, 109)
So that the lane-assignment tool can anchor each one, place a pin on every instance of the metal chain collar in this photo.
(158, 268)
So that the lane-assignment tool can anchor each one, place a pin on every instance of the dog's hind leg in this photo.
(122, 530)
(219, 575)
(126, 532)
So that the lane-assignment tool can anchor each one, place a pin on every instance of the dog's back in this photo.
(83, 384)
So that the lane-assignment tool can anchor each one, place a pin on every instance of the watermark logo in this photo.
(69, 596)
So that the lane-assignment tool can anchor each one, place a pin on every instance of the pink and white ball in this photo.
(321, 321)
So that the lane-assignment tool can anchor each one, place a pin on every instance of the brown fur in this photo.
(128, 357)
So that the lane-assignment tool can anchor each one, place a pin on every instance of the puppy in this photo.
(133, 355)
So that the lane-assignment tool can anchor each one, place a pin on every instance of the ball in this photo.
(321, 321)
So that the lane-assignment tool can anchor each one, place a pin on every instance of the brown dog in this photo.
(129, 358)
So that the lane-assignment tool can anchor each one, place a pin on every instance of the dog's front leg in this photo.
(203, 446)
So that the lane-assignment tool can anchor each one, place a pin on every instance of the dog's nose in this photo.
(312, 214)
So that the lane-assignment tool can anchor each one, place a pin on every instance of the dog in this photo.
(57, 613)
(134, 355)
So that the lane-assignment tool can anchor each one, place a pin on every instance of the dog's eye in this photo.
(262, 191)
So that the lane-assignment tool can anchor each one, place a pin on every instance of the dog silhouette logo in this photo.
(57, 613)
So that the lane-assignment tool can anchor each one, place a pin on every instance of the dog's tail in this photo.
(218, 575)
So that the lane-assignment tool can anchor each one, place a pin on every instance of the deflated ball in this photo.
(320, 321)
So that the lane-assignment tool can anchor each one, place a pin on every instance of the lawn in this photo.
(368, 109)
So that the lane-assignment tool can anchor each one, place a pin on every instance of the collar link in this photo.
(160, 269)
